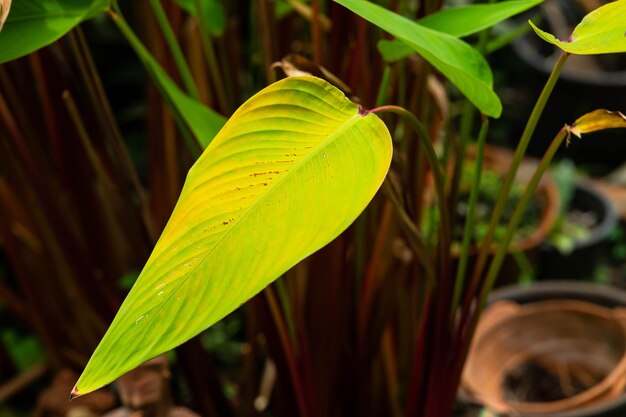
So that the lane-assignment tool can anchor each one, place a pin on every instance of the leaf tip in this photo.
(75, 393)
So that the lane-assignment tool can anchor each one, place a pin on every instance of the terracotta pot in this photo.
(571, 342)
(499, 160)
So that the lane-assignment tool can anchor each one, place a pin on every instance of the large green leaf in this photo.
(203, 121)
(459, 21)
(33, 24)
(603, 31)
(459, 62)
(291, 169)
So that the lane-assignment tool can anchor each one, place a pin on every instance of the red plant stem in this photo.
(267, 40)
(88, 69)
(369, 281)
(363, 61)
(316, 32)
(416, 383)
(289, 353)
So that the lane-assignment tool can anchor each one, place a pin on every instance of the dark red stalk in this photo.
(417, 391)
(123, 165)
(288, 351)
(369, 285)
(316, 32)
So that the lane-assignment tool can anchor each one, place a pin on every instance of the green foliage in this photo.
(600, 32)
(289, 172)
(293, 167)
(459, 21)
(489, 190)
(33, 24)
(25, 350)
(221, 339)
(458, 61)
(210, 11)
(203, 122)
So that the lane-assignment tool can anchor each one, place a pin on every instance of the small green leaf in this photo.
(459, 21)
(33, 24)
(292, 169)
(211, 11)
(603, 31)
(463, 65)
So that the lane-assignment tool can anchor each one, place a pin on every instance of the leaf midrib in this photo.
(272, 188)
(42, 16)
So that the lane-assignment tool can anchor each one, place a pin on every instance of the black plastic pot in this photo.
(581, 263)
(571, 290)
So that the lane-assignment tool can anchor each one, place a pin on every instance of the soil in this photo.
(532, 382)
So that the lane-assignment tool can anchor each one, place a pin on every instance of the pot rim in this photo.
(601, 294)
(541, 308)
(601, 230)
(498, 159)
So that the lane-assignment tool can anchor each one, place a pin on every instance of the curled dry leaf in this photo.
(598, 120)
(306, 11)
(295, 65)
(5, 6)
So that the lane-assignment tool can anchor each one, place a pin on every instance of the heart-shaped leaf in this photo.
(33, 24)
(603, 31)
(463, 65)
(459, 21)
(291, 169)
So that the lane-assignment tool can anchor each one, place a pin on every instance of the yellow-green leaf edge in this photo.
(293, 168)
(603, 31)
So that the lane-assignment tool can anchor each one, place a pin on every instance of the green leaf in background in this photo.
(203, 121)
(33, 24)
(463, 65)
(212, 12)
(459, 21)
(603, 31)
(292, 168)
(282, 9)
